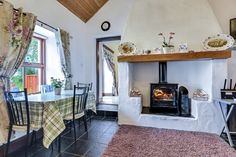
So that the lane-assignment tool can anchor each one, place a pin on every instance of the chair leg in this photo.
(33, 138)
(26, 144)
(85, 123)
(74, 130)
(52, 146)
(59, 143)
(8, 140)
(90, 117)
(71, 125)
(79, 123)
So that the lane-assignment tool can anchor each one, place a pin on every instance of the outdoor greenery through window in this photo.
(31, 73)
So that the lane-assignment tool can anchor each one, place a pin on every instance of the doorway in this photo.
(107, 70)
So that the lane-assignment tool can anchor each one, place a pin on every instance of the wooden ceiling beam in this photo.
(69, 5)
(84, 9)
(91, 6)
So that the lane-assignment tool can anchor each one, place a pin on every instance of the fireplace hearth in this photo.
(140, 70)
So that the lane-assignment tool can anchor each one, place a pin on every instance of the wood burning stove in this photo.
(164, 97)
(167, 98)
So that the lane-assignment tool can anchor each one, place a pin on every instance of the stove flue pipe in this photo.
(162, 72)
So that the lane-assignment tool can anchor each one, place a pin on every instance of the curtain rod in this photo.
(43, 23)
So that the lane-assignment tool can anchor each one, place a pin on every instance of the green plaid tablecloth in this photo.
(48, 112)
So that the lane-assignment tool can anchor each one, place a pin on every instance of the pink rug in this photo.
(132, 141)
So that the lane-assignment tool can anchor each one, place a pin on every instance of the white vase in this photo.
(166, 50)
(57, 91)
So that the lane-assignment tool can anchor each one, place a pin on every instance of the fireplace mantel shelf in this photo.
(202, 55)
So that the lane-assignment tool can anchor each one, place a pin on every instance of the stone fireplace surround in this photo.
(205, 74)
(147, 19)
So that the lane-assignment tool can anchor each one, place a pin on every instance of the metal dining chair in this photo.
(90, 87)
(19, 116)
(78, 108)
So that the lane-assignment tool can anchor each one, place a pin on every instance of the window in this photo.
(32, 72)
(107, 79)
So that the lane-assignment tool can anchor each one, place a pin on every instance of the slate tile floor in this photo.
(91, 144)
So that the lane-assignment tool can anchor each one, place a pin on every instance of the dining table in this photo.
(47, 111)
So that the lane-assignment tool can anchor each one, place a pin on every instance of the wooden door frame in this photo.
(98, 40)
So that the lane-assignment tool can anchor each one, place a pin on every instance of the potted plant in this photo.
(57, 84)
(167, 46)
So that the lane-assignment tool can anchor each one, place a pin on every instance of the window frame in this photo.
(41, 66)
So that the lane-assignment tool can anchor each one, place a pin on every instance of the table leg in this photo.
(227, 117)
(226, 126)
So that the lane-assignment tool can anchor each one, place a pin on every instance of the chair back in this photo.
(46, 88)
(89, 85)
(79, 99)
(18, 107)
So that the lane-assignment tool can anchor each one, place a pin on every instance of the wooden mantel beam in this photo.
(202, 55)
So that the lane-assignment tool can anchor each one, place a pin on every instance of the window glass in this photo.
(107, 79)
(17, 81)
(34, 52)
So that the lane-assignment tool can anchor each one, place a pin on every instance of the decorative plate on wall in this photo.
(218, 42)
(127, 48)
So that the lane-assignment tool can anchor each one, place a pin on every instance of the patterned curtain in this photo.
(16, 30)
(63, 43)
(109, 57)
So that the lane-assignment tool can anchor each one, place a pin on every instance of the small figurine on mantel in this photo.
(183, 47)
(135, 93)
(147, 52)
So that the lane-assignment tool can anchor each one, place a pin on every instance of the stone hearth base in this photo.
(206, 117)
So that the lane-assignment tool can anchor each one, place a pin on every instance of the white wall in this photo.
(53, 13)
(192, 21)
(224, 11)
(114, 11)
(231, 67)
